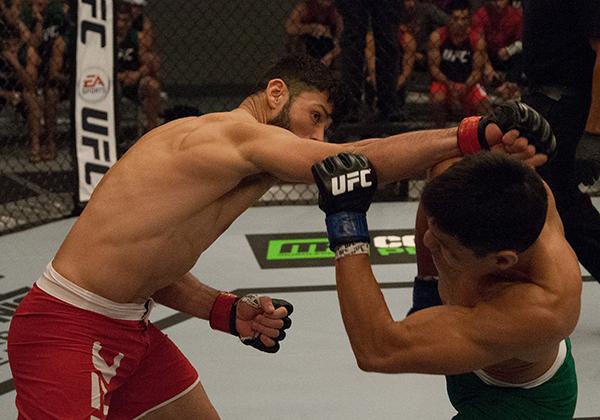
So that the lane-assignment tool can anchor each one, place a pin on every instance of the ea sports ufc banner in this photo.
(94, 93)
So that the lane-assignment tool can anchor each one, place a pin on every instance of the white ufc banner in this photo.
(94, 96)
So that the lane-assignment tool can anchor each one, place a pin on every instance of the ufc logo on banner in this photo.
(94, 93)
(345, 183)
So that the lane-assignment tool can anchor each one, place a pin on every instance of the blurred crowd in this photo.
(461, 54)
(36, 36)
(33, 66)
(467, 52)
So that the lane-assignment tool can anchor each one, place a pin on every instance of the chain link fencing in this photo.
(178, 58)
(36, 170)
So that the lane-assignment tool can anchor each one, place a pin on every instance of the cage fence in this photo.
(179, 58)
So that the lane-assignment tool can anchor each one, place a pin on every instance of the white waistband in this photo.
(59, 287)
(545, 377)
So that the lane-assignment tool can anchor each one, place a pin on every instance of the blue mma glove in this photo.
(347, 183)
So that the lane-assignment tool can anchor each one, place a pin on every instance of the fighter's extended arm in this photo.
(259, 321)
(264, 148)
(398, 157)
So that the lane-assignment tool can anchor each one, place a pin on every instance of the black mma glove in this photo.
(346, 185)
(223, 317)
(510, 115)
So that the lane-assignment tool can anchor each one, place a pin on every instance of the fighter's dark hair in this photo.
(301, 72)
(489, 203)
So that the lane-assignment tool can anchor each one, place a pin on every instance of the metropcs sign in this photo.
(312, 249)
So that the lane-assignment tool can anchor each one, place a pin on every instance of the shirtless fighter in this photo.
(80, 344)
(509, 282)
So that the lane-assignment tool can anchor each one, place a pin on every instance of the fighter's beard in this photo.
(283, 118)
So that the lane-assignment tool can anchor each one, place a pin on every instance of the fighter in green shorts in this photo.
(497, 320)
(553, 396)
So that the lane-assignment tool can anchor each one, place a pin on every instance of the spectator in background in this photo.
(502, 26)
(18, 82)
(456, 58)
(33, 15)
(141, 22)
(421, 18)
(314, 27)
(407, 47)
(384, 17)
(135, 71)
(50, 29)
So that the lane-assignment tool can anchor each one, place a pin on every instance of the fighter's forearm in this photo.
(188, 295)
(364, 311)
(408, 154)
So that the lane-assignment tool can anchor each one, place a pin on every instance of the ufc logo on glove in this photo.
(346, 182)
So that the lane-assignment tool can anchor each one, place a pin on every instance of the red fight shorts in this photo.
(76, 355)
(469, 100)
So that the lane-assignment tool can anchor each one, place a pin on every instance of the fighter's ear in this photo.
(277, 93)
(505, 259)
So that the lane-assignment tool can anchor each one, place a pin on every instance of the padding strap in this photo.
(471, 136)
(355, 248)
(346, 227)
(221, 313)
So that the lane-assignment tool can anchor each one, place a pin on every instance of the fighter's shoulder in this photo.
(532, 300)
(215, 124)
(243, 130)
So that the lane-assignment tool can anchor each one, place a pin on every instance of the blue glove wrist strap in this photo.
(346, 227)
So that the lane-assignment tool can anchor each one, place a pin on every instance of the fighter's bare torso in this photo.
(160, 207)
(184, 183)
(548, 281)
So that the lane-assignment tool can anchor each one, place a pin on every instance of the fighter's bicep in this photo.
(441, 341)
(452, 339)
(284, 155)
(512, 327)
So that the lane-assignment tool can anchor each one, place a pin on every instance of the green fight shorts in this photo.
(554, 399)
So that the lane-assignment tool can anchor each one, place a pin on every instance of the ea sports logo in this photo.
(341, 184)
(94, 84)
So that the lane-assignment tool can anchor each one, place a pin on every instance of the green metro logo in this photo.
(298, 249)
(286, 250)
